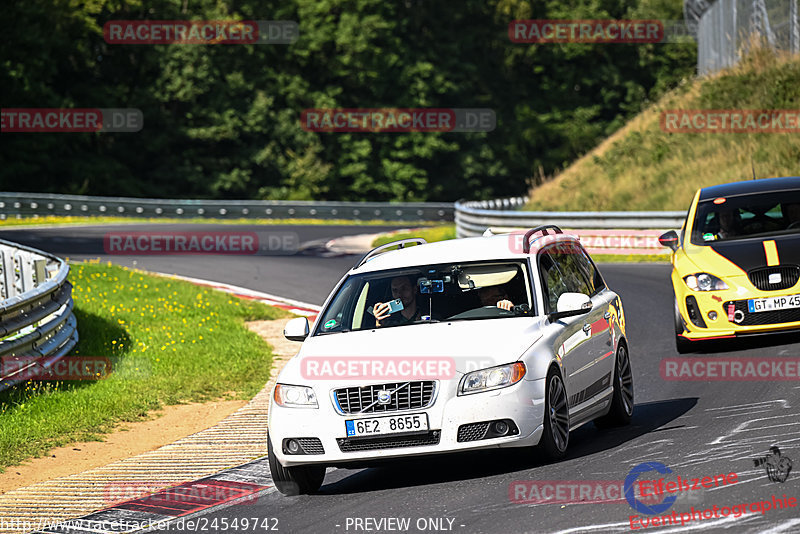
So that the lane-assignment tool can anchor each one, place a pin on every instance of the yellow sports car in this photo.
(736, 262)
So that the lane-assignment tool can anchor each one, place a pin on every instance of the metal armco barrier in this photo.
(473, 218)
(30, 204)
(610, 232)
(36, 320)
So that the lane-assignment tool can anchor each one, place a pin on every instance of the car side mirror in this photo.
(570, 304)
(296, 329)
(669, 239)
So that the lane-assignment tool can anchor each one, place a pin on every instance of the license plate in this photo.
(773, 303)
(393, 424)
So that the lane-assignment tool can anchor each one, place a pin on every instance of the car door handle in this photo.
(607, 315)
(587, 328)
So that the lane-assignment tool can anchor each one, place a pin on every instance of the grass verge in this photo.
(642, 167)
(169, 341)
(434, 233)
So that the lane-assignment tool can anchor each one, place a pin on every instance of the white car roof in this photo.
(497, 247)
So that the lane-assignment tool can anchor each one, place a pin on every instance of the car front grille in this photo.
(761, 318)
(789, 274)
(412, 395)
(389, 442)
(472, 431)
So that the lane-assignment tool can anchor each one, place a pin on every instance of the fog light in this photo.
(712, 315)
(501, 428)
(292, 446)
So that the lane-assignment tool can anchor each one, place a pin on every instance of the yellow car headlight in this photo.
(704, 282)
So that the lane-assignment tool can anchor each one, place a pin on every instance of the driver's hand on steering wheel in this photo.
(505, 305)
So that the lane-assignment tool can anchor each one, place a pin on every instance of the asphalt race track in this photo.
(697, 429)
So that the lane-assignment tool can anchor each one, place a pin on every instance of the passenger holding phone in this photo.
(403, 288)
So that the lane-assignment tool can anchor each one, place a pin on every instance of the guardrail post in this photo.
(26, 280)
(40, 272)
(7, 276)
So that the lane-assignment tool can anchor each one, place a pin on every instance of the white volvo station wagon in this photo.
(478, 343)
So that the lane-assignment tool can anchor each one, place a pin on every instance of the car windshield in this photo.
(745, 216)
(452, 292)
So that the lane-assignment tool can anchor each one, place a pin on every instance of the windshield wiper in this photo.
(431, 320)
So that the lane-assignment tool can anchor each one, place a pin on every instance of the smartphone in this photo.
(394, 306)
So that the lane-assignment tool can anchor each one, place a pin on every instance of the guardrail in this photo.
(41, 204)
(473, 218)
(607, 232)
(37, 326)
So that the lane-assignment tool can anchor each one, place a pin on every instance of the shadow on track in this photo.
(453, 467)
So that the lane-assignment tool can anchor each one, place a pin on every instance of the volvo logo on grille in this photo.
(775, 278)
(384, 397)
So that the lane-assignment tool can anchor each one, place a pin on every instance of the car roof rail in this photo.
(526, 245)
(381, 249)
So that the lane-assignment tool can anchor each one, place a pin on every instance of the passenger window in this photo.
(574, 278)
(552, 280)
(590, 272)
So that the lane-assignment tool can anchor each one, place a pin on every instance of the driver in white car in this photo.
(402, 288)
(495, 296)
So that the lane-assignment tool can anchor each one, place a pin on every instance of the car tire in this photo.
(297, 480)
(555, 436)
(621, 410)
(682, 345)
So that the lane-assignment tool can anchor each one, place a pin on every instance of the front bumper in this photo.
(522, 403)
(733, 318)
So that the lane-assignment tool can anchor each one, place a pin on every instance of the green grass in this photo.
(434, 233)
(52, 220)
(169, 341)
(642, 167)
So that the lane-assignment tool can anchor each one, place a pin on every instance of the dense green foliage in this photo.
(223, 121)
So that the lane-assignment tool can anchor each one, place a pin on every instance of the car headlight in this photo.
(704, 282)
(492, 378)
(295, 396)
